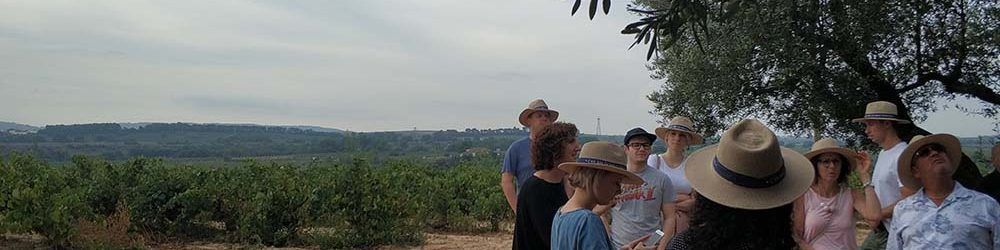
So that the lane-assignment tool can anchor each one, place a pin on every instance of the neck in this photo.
(890, 141)
(581, 199)
(938, 190)
(551, 175)
(826, 188)
(674, 155)
(675, 152)
(636, 165)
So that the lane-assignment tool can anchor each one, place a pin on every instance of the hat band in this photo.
(541, 107)
(748, 181)
(599, 161)
(681, 127)
(880, 115)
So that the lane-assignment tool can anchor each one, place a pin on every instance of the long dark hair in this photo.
(714, 226)
(550, 143)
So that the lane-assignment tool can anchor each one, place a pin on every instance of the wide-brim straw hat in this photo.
(747, 169)
(606, 156)
(951, 145)
(881, 110)
(681, 124)
(537, 105)
(830, 145)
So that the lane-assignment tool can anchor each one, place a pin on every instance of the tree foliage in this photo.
(811, 66)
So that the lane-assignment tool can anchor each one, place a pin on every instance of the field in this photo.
(142, 202)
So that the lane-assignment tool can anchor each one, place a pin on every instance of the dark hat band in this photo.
(748, 181)
(881, 115)
(599, 161)
(681, 128)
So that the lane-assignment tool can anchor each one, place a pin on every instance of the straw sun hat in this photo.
(881, 110)
(537, 105)
(605, 156)
(830, 145)
(747, 169)
(681, 124)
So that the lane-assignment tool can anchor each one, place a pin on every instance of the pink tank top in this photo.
(837, 232)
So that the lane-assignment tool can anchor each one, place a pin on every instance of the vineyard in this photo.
(92, 203)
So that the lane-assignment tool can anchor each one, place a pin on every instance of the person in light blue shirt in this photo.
(597, 177)
(517, 165)
(942, 214)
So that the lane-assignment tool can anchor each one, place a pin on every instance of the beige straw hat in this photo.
(830, 145)
(950, 143)
(603, 155)
(537, 105)
(881, 110)
(681, 124)
(747, 169)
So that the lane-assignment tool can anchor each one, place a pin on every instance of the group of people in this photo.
(744, 192)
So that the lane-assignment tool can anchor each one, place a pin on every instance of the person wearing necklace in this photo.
(678, 135)
(823, 217)
(942, 214)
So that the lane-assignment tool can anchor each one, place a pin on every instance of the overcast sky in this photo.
(356, 65)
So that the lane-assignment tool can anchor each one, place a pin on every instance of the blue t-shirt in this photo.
(579, 229)
(517, 162)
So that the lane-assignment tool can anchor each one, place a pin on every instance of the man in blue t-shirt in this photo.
(517, 162)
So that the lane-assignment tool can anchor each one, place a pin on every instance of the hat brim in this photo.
(523, 118)
(799, 176)
(851, 156)
(901, 121)
(951, 145)
(629, 177)
(695, 137)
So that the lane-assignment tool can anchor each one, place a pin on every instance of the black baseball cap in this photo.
(639, 132)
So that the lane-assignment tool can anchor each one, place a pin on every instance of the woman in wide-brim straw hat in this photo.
(824, 215)
(677, 135)
(597, 177)
(746, 184)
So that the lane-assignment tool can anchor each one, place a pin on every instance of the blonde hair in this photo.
(585, 178)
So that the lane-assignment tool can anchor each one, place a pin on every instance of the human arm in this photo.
(669, 212)
(509, 190)
(865, 200)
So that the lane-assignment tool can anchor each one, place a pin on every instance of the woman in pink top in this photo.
(824, 215)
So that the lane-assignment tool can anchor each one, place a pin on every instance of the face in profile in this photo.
(608, 185)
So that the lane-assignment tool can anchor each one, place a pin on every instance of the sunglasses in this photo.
(926, 150)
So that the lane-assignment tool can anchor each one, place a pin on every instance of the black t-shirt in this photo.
(990, 185)
(536, 206)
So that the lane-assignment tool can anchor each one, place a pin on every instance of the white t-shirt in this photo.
(885, 177)
(680, 183)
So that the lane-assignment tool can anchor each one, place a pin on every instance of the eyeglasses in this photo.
(640, 145)
(926, 150)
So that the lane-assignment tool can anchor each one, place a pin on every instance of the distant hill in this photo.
(4, 126)
(136, 125)
(117, 141)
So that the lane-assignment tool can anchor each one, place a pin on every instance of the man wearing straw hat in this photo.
(640, 210)
(517, 162)
(942, 214)
(880, 118)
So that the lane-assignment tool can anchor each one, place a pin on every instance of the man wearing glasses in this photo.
(942, 214)
(640, 210)
(880, 119)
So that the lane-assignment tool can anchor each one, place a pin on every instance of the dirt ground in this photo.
(434, 241)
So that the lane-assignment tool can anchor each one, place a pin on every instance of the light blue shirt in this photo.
(579, 229)
(965, 220)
